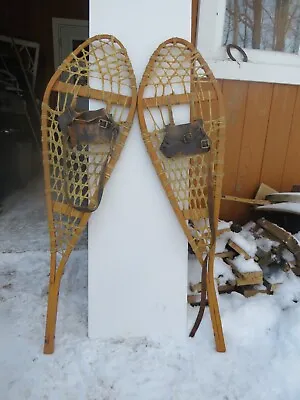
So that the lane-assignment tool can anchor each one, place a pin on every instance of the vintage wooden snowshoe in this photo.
(81, 147)
(181, 116)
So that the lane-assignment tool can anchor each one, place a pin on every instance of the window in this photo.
(263, 24)
(267, 30)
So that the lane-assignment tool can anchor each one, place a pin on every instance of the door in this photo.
(68, 34)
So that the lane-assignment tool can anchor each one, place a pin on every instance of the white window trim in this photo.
(262, 66)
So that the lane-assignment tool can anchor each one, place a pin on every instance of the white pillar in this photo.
(137, 251)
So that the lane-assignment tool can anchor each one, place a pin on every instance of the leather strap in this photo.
(104, 123)
(211, 217)
(101, 180)
(84, 127)
(196, 4)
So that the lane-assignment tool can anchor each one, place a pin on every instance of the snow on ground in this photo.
(222, 272)
(261, 332)
(23, 222)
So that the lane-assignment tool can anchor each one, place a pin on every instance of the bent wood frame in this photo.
(115, 99)
(192, 213)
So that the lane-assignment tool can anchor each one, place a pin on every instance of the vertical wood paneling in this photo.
(279, 130)
(291, 170)
(252, 147)
(254, 136)
(262, 141)
(235, 97)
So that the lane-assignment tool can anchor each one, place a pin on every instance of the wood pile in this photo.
(254, 259)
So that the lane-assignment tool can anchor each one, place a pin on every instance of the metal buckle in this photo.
(103, 123)
(205, 144)
(187, 137)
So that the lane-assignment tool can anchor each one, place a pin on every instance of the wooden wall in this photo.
(262, 141)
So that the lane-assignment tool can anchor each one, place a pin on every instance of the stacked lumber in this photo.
(250, 261)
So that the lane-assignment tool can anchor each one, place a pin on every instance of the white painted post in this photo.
(137, 251)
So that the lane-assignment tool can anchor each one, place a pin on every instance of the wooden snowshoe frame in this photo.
(177, 76)
(99, 70)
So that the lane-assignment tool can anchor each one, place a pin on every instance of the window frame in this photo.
(262, 65)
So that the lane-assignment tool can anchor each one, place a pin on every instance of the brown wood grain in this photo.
(258, 106)
(278, 134)
(86, 91)
(262, 141)
(194, 21)
(291, 169)
(177, 99)
(235, 96)
(254, 137)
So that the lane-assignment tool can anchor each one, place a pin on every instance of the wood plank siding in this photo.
(262, 141)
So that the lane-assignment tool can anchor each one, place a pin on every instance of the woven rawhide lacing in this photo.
(75, 171)
(87, 112)
(177, 77)
(171, 83)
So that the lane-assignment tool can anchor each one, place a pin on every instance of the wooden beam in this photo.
(238, 249)
(244, 200)
(176, 99)
(86, 91)
(195, 21)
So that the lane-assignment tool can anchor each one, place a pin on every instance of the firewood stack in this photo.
(250, 259)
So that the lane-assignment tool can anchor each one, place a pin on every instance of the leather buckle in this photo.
(103, 123)
(205, 144)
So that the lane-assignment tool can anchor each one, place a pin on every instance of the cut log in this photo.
(246, 278)
(249, 291)
(245, 200)
(283, 236)
(226, 254)
(238, 249)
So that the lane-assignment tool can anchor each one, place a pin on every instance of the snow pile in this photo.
(274, 275)
(194, 271)
(289, 291)
(265, 243)
(243, 266)
(246, 241)
(222, 241)
(261, 334)
(224, 224)
(288, 256)
(223, 272)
